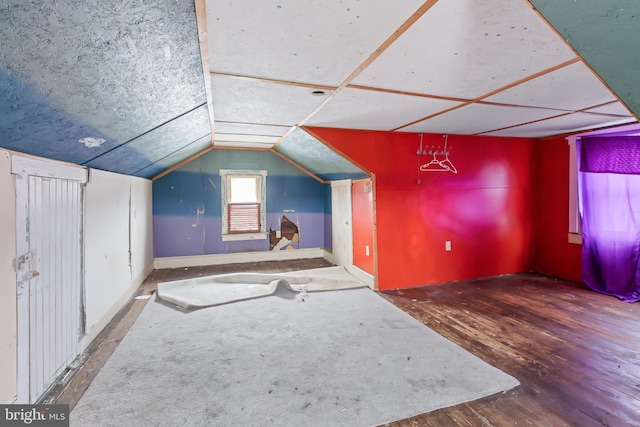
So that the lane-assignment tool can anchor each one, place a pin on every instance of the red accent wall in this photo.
(554, 255)
(362, 205)
(485, 210)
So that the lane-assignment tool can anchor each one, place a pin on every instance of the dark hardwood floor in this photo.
(576, 353)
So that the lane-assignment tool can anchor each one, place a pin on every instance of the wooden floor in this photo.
(576, 353)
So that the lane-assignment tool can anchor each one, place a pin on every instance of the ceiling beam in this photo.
(201, 23)
(275, 81)
(182, 163)
(404, 92)
(379, 51)
(305, 170)
(493, 92)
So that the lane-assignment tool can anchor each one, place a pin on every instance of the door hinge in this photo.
(24, 267)
(24, 262)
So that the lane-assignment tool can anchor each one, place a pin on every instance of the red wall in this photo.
(485, 209)
(553, 254)
(362, 205)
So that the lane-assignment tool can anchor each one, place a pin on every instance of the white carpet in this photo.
(338, 358)
(225, 288)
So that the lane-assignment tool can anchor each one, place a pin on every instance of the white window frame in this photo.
(575, 234)
(225, 175)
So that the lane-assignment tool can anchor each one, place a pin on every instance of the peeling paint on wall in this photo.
(285, 237)
(91, 142)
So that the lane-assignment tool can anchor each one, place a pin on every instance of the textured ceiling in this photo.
(319, 159)
(105, 83)
(134, 86)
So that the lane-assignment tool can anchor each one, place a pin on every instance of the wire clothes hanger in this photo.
(435, 165)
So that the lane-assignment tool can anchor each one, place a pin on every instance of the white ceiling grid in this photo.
(464, 67)
(372, 110)
(562, 89)
(466, 49)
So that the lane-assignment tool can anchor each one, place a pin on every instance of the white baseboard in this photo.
(109, 314)
(240, 257)
(11, 401)
(142, 276)
(330, 257)
(113, 310)
(362, 275)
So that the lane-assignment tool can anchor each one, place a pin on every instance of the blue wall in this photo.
(187, 205)
(107, 84)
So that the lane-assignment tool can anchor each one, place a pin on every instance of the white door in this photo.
(49, 222)
(342, 231)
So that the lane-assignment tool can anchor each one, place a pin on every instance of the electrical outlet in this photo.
(447, 245)
(366, 250)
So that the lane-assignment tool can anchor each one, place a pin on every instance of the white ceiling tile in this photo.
(477, 118)
(573, 87)
(615, 108)
(237, 144)
(459, 49)
(246, 138)
(250, 129)
(560, 125)
(366, 109)
(468, 48)
(255, 101)
(320, 42)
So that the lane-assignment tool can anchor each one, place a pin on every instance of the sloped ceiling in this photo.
(134, 86)
(111, 84)
(320, 160)
(605, 34)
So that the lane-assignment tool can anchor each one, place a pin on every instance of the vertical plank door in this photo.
(49, 272)
(341, 222)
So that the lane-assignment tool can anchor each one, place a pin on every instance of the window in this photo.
(243, 204)
(243, 207)
(575, 234)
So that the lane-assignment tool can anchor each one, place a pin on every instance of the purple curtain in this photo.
(609, 181)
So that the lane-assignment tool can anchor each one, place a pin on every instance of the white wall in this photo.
(8, 325)
(111, 276)
(114, 205)
(141, 228)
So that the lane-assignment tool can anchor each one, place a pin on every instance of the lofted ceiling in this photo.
(111, 84)
(140, 86)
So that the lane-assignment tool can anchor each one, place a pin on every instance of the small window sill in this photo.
(243, 236)
(575, 238)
